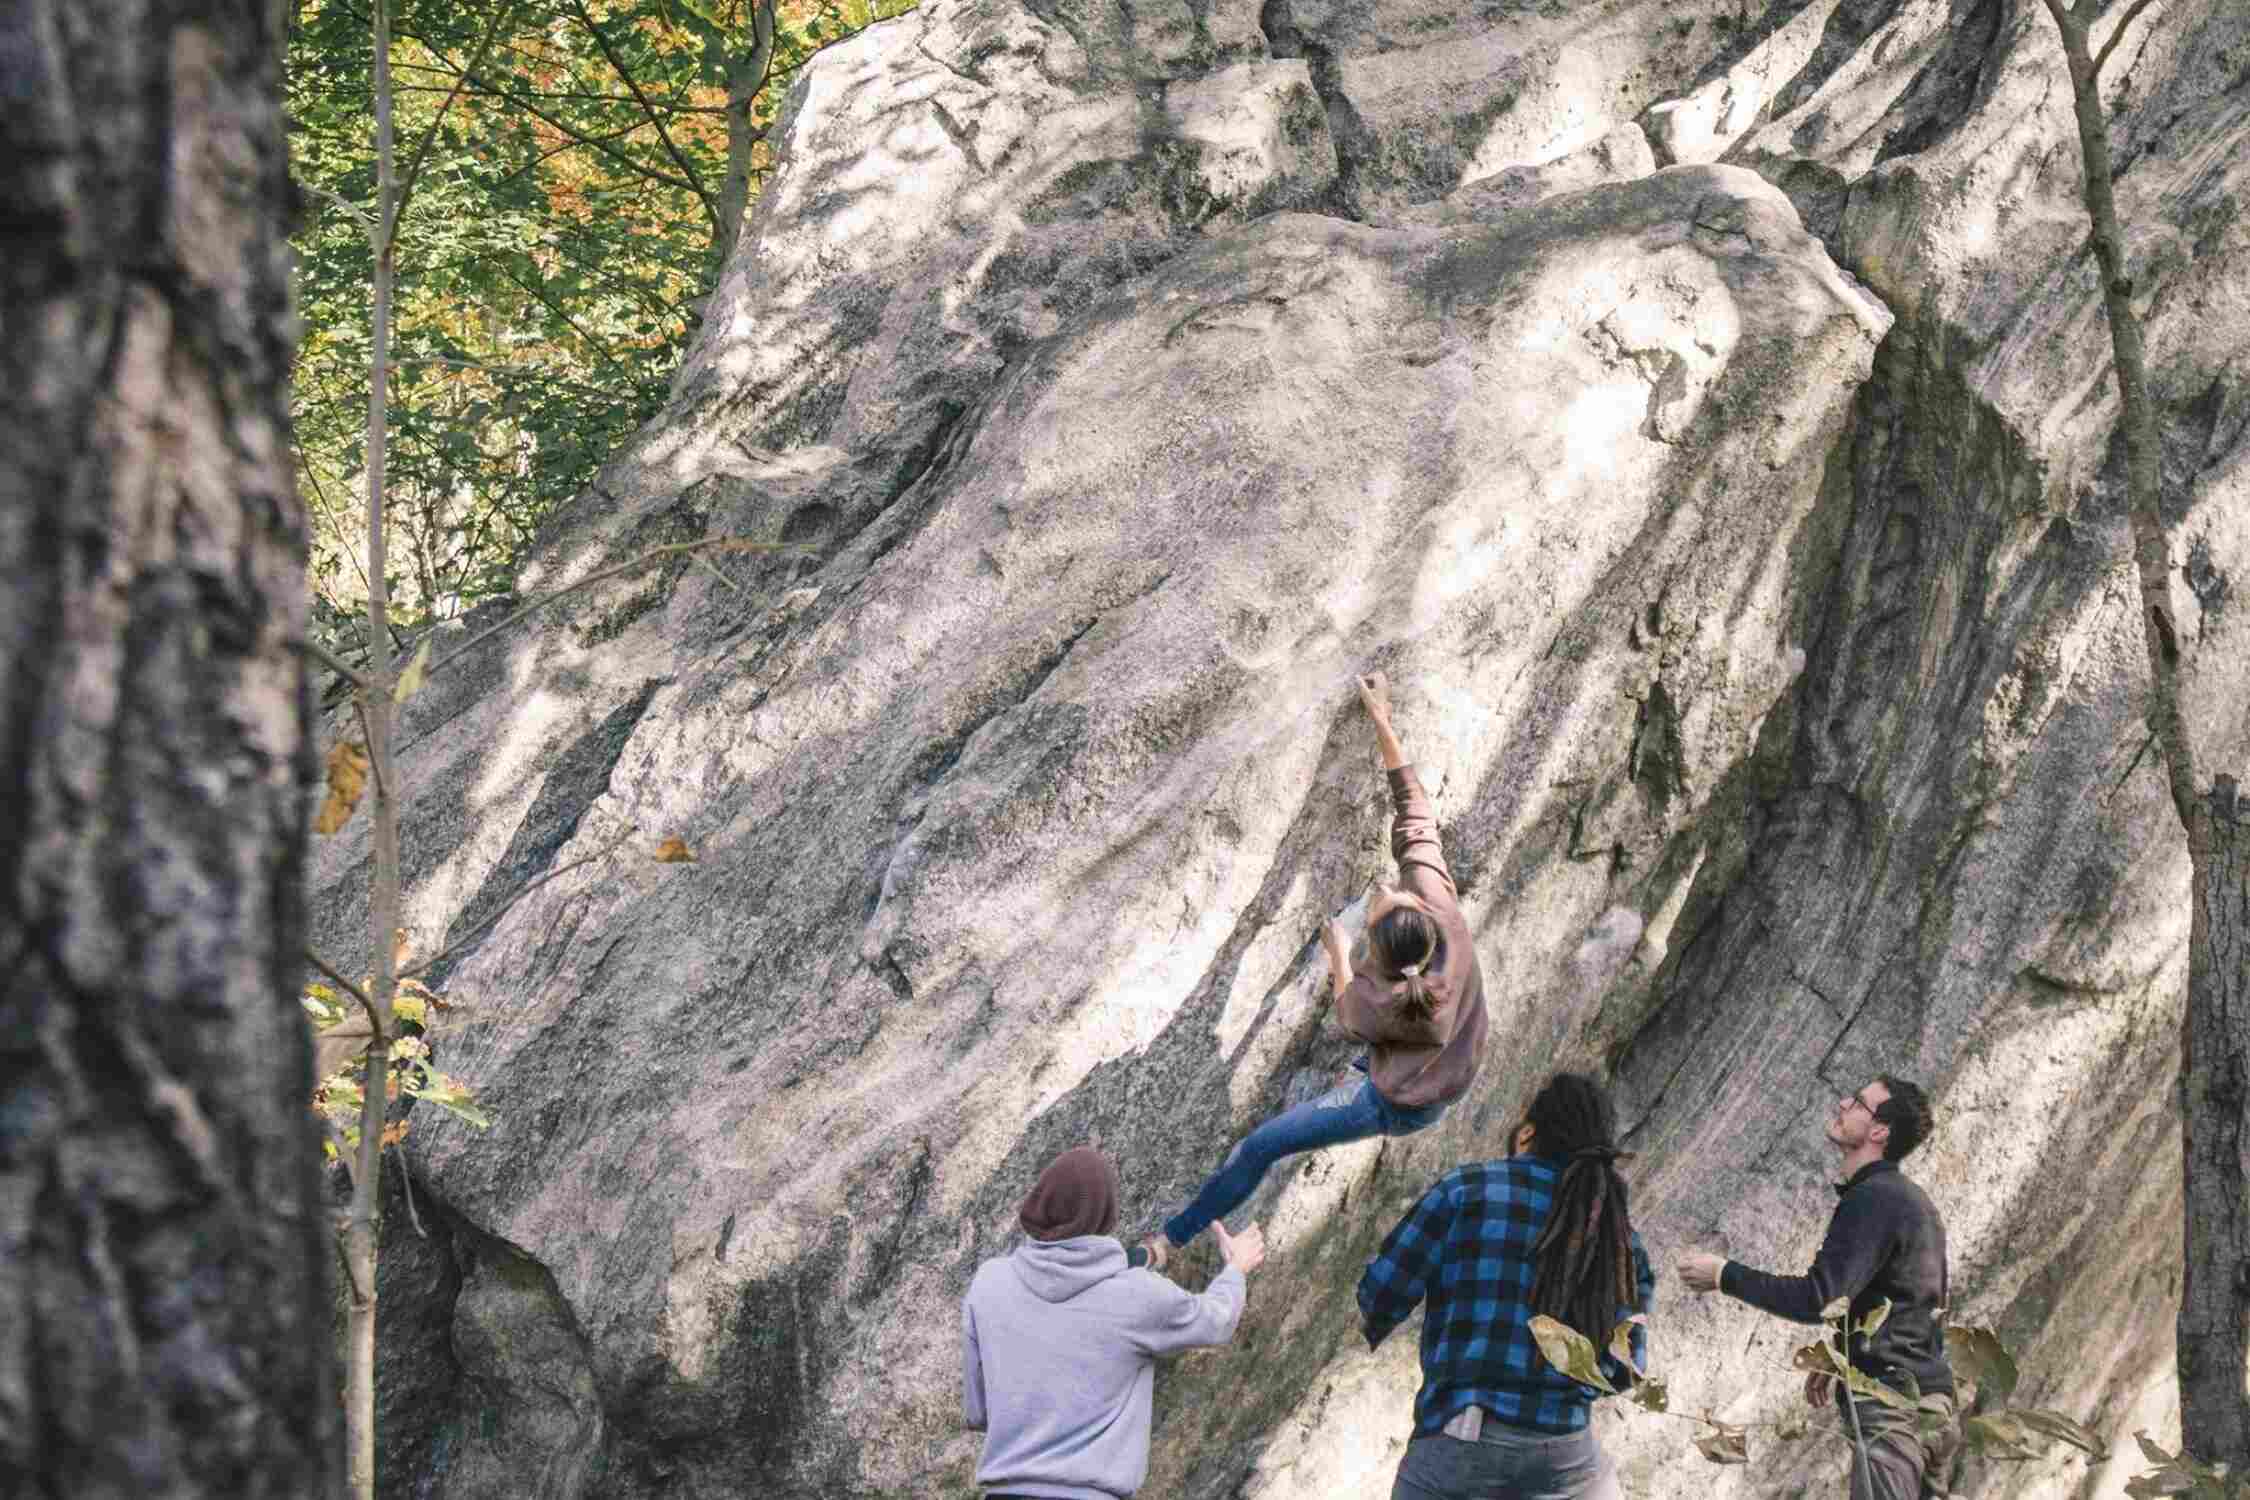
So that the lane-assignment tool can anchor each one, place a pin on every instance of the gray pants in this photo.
(1506, 1463)
(1902, 1464)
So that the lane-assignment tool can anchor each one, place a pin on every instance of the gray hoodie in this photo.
(1059, 1342)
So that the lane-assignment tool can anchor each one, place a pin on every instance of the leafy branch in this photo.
(405, 194)
(687, 168)
(1981, 1366)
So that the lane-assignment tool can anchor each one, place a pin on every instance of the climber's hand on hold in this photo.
(1245, 1251)
(1375, 696)
(1339, 954)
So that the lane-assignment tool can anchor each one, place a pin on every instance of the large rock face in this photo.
(1741, 534)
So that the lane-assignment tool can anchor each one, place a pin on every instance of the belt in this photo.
(1469, 1424)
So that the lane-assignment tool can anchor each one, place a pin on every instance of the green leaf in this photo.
(446, 1093)
(1874, 1319)
(1837, 1310)
(1569, 1351)
(1649, 1393)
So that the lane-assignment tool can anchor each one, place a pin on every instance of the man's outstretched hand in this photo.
(1245, 1251)
(1816, 1388)
(1700, 1270)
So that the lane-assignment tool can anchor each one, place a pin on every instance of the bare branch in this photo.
(405, 194)
(715, 571)
(367, 732)
(320, 492)
(509, 905)
(666, 105)
(507, 372)
(360, 216)
(2124, 24)
(654, 554)
(406, 1186)
(335, 976)
(333, 662)
(539, 294)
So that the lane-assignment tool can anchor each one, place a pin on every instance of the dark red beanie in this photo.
(1076, 1195)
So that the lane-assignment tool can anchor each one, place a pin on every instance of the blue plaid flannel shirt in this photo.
(1465, 1250)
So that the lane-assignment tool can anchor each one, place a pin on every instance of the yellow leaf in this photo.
(347, 779)
(674, 851)
(417, 672)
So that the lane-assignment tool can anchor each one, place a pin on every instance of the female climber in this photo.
(1417, 1001)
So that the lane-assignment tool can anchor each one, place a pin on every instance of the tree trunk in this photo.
(746, 79)
(2214, 1339)
(364, 1232)
(164, 1244)
(2213, 1343)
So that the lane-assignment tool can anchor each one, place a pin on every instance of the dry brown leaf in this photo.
(394, 1132)
(674, 851)
(347, 781)
(1725, 1443)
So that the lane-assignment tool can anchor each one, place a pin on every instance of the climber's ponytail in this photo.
(1405, 942)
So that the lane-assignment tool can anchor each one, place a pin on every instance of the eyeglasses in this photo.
(1846, 1107)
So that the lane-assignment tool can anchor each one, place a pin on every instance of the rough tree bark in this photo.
(2214, 1096)
(164, 1247)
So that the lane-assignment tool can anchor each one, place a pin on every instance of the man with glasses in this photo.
(1886, 1241)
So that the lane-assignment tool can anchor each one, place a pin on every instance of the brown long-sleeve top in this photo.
(1415, 1064)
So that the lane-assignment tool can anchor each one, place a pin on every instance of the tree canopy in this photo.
(580, 170)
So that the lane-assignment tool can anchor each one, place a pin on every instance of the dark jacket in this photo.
(1417, 1063)
(1886, 1240)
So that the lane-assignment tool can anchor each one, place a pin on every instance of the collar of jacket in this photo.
(1862, 1175)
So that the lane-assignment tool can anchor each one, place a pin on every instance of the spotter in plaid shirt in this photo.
(1465, 1249)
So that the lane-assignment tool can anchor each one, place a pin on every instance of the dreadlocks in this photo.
(1584, 1257)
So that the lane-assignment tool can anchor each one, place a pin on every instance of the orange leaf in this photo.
(347, 780)
(394, 1132)
(674, 851)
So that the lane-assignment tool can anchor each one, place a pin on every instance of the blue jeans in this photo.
(1506, 1463)
(1349, 1112)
